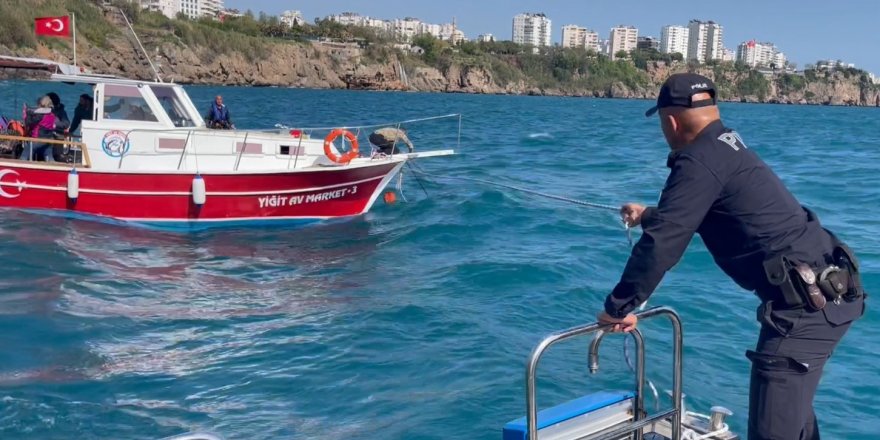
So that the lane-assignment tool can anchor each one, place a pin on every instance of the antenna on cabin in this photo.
(146, 55)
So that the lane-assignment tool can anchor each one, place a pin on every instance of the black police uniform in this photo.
(756, 231)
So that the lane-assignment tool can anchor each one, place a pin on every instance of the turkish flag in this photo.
(52, 26)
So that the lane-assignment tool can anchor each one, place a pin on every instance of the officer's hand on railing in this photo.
(626, 324)
(631, 213)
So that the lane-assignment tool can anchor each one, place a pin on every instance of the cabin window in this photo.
(287, 150)
(250, 148)
(173, 106)
(126, 103)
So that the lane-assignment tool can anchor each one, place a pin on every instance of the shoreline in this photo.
(461, 92)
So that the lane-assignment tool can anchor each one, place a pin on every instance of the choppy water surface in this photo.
(414, 321)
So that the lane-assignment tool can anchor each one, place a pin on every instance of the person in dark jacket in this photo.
(760, 235)
(84, 111)
(218, 115)
(61, 119)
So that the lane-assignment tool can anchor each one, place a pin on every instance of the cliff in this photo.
(185, 53)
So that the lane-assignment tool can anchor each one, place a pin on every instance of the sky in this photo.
(805, 30)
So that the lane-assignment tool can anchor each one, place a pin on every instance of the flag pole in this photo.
(73, 21)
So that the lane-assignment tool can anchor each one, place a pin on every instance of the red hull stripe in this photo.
(186, 193)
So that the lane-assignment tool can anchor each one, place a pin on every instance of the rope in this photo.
(416, 171)
(525, 190)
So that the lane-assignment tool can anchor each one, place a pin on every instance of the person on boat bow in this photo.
(760, 235)
(386, 140)
(218, 115)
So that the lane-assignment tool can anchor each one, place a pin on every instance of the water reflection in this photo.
(154, 303)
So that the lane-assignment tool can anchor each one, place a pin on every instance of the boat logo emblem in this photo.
(115, 143)
(17, 184)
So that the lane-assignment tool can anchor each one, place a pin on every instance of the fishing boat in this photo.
(148, 158)
(617, 414)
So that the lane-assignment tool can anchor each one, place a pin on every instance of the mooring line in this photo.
(416, 171)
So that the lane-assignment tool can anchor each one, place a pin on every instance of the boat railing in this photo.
(190, 146)
(366, 129)
(299, 134)
(75, 146)
(638, 423)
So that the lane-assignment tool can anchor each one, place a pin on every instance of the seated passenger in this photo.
(218, 115)
(41, 123)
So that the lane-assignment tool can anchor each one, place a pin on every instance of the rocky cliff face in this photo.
(317, 65)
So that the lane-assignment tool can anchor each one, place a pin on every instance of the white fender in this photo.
(198, 190)
(73, 185)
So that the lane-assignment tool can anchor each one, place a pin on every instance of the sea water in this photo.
(414, 321)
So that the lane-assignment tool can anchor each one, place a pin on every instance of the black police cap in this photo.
(678, 90)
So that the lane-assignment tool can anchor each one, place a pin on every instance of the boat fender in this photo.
(328, 146)
(73, 185)
(198, 190)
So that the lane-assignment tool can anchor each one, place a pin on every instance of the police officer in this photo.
(760, 236)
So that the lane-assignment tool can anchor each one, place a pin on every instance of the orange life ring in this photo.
(328, 146)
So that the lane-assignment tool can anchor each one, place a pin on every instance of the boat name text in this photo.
(278, 201)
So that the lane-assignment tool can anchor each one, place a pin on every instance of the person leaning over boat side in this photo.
(385, 139)
(41, 123)
(761, 237)
(218, 115)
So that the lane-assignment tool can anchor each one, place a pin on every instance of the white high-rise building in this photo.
(674, 39)
(193, 9)
(573, 35)
(604, 47)
(622, 38)
(348, 19)
(292, 18)
(705, 41)
(756, 54)
(576, 36)
(211, 8)
(406, 28)
(533, 29)
(355, 19)
(167, 8)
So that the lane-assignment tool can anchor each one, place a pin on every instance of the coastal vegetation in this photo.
(482, 67)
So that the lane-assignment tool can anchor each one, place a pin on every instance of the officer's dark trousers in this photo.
(787, 364)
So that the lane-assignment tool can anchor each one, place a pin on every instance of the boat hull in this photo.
(166, 199)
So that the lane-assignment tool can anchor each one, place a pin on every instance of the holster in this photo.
(798, 283)
(847, 279)
(778, 271)
(804, 280)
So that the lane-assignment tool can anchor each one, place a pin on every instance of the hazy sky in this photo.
(805, 30)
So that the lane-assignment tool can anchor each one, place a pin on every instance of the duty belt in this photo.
(814, 297)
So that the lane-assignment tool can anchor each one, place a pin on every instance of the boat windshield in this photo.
(126, 103)
(173, 106)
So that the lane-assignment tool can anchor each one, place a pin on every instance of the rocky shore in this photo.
(339, 66)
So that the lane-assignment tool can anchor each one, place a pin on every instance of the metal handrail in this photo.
(235, 134)
(82, 146)
(275, 129)
(637, 424)
(353, 127)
